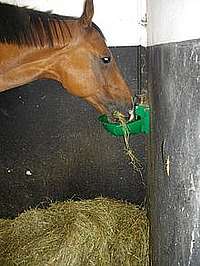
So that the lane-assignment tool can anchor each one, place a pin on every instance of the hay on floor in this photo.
(100, 232)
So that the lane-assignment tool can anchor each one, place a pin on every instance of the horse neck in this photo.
(19, 66)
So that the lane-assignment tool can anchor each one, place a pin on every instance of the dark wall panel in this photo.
(53, 147)
(174, 177)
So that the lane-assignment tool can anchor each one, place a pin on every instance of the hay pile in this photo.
(98, 232)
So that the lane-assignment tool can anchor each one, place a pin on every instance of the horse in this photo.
(42, 45)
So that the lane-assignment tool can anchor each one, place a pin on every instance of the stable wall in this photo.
(54, 148)
(174, 165)
(52, 145)
(172, 21)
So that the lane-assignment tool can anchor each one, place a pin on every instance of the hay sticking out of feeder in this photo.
(134, 161)
(98, 232)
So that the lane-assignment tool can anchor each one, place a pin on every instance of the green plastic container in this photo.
(140, 125)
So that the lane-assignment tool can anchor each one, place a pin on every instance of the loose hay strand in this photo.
(97, 232)
(134, 161)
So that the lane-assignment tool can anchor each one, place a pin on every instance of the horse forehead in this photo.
(96, 42)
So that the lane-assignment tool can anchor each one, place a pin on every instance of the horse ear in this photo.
(88, 12)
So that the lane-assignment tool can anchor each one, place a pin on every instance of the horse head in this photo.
(91, 71)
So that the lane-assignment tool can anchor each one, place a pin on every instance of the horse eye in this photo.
(106, 59)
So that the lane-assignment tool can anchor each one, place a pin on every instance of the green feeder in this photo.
(141, 124)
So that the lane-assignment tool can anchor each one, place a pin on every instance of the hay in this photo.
(134, 161)
(98, 232)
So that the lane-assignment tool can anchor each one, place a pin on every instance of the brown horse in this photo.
(35, 45)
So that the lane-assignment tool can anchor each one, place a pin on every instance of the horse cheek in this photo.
(100, 76)
(120, 85)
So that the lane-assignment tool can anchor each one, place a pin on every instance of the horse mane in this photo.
(27, 27)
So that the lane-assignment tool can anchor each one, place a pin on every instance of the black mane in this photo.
(24, 26)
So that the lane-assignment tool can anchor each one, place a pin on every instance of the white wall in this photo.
(168, 21)
(119, 20)
(173, 20)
